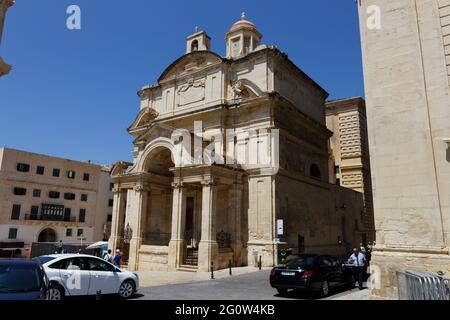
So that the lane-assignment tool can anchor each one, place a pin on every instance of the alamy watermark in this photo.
(373, 21)
(245, 147)
(73, 21)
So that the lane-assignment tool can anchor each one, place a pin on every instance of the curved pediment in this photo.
(144, 118)
(119, 168)
(193, 61)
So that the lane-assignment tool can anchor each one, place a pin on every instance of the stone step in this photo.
(187, 268)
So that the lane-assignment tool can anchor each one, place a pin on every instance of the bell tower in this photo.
(198, 41)
(242, 38)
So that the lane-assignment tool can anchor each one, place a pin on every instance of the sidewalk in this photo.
(354, 294)
(158, 278)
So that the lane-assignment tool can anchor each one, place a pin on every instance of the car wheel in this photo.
(282, 292)
(126, 289)
(55, 293)
(325, 288)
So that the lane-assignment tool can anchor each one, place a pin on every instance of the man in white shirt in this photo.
(358, 260)
(108, 256)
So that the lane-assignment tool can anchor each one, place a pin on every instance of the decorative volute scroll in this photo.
(119, 168)
(239, 89)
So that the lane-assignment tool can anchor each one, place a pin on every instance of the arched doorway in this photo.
(47, 235)
(158, 221)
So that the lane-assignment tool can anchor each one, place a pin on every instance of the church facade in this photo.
(231, 164)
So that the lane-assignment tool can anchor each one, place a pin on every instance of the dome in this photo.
(243, 23)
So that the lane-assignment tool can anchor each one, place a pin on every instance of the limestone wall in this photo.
(327, 217)
(407, 93)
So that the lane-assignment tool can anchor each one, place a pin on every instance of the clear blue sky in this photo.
(73, 93)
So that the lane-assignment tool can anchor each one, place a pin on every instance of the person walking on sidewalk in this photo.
(359, 262)
(117, 258)
(108, 256)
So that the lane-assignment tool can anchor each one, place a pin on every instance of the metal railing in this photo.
(422, 285)
(46, 217)
(156, 238)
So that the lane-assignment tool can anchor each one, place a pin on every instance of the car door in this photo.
(75, 276)
(104, 277)
(338, 275)
(326, 269)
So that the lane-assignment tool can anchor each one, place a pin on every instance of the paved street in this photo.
(248, 286)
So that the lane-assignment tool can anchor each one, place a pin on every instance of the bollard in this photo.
(229, 262)
(212, 270)
(98, 295)
(260, 263)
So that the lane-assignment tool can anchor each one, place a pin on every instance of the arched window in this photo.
(194, 45)
(314, 171)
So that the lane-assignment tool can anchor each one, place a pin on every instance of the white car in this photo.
(80, 274)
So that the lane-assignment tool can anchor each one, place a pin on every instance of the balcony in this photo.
(47, 217)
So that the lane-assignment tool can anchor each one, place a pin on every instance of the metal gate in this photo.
(422, 285)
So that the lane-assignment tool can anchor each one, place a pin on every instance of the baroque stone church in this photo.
(193, 215)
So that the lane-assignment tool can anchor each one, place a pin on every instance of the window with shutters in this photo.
(56, 172)
(40, 170)
(23, 167)
(15, 214)
(54, 194)
(19, 191)
(82, 216)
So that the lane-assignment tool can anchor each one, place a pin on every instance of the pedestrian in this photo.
(358, 260)
(362, 247)
(368, 255)
(117, 258)
(60, 247)
(108, 256)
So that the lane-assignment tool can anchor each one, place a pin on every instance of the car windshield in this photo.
(19, 278)
(44, 259)
(301, 262)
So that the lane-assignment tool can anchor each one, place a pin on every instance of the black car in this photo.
(22, 280)
(313, 272)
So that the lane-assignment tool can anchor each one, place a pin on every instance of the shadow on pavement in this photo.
(310, 295)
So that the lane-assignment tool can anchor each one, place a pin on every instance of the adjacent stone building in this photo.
(48, 199)
(349, 161)
(4, 6)
(273, 190)
(406, 57)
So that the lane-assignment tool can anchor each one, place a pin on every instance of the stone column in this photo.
(235, 220)
(118, 216)
(208, 249)
(177, 244)
(137, 223)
